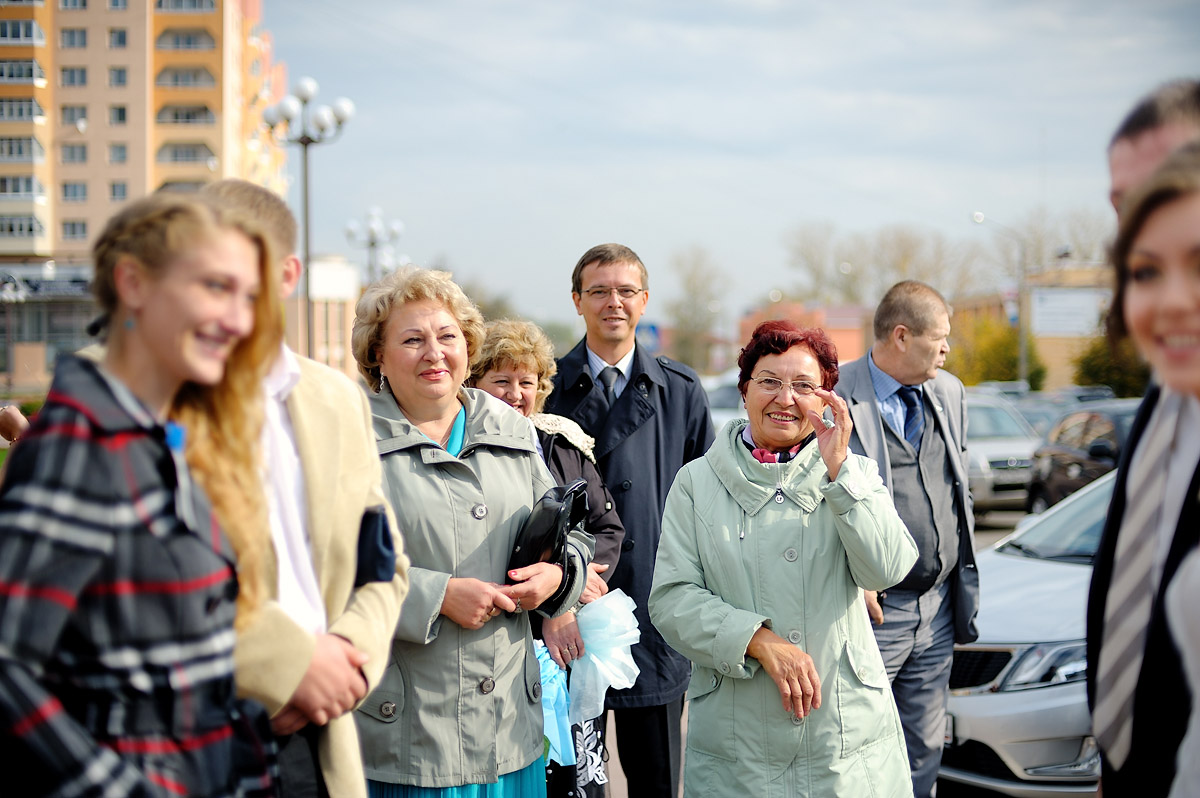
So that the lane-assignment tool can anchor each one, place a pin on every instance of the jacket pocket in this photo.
(866, 712)
(384, 743)
(710, 714)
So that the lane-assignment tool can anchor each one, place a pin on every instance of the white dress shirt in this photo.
(596, 364)
(283, 478)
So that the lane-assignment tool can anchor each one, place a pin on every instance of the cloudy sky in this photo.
(511, 135)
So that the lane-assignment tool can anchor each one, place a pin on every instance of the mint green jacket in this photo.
(747, 544)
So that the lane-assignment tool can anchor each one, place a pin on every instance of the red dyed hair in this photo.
(777, 337)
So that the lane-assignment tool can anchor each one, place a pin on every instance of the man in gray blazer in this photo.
(910, 418)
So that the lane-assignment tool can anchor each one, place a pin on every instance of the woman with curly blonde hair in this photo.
(458, 712)
(117, 584)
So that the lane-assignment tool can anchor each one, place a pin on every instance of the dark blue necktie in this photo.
(914, 418)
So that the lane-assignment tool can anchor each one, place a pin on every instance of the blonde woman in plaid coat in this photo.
(118, 589)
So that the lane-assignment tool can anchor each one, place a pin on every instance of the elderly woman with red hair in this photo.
(768, 543)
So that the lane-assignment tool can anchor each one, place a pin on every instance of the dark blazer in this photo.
(1161, 704)
(950, 415)
(659, 423)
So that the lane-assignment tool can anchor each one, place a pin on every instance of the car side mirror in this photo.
(1102, 449)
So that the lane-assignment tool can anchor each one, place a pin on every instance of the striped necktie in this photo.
(1131, 591)
(914, 416)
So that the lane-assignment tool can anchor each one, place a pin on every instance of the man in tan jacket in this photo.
(318, 645)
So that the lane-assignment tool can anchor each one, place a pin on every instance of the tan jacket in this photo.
(341, 479)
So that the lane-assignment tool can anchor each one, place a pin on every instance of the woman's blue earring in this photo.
(129, 323)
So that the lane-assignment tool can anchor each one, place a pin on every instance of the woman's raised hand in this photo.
(834, 442)
(471, 603)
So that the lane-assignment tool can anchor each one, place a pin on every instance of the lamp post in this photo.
(12, 292)
(306, 127)
(371, 235)
(1022, 311)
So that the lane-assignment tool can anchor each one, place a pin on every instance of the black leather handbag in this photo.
(543, 536)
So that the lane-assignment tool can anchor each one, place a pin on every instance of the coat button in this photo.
(479, 511)
(387, 709)
(537, 691)
(794, 636)
(714, 681)
(790, 555)
(797, 721)
(626, 485)
(724, 667)
(487, 685)
(627, 545)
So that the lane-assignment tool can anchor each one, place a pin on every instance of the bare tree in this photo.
(696, 310)
(857, 269)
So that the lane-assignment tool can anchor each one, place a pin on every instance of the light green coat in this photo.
(747, 544)
(459, 706)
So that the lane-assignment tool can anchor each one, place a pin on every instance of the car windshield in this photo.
(1071, 531)
(993, 421)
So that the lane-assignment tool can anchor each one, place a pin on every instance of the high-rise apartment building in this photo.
(104, 101)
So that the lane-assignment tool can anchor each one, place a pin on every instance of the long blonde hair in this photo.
(223, 421)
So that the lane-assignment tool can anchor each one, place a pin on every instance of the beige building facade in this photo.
(105, 101)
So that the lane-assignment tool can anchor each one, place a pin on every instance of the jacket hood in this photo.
(490, 422)
(752, 484)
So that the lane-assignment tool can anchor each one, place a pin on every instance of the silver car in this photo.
(1018, 720)
(1000, 445)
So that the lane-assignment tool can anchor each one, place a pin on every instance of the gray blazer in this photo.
(950, 415)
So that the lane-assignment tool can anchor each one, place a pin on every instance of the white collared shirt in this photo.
(596, 364)
(283, 478)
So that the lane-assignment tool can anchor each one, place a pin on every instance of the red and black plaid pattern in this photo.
(117, 598)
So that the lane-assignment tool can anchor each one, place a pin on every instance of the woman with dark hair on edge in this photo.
(1145, 584)
(768, 543)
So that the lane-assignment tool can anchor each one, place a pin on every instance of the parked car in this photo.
(1042, 410)
(724, 399)
(1018, 721)
(1081, 446)
(1000, 445)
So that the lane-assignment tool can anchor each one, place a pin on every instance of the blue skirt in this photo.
(529, 782)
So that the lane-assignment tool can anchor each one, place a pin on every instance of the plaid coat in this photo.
(117, 594)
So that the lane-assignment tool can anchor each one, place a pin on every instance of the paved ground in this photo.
(988, 530)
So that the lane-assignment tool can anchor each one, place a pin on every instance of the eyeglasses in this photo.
(600, 292)
(773, 385)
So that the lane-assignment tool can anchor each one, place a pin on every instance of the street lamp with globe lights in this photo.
(371, 235)
(978, 217)
(294, 122)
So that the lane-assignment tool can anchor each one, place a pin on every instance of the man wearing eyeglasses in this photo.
(910, 417)
(649, 416)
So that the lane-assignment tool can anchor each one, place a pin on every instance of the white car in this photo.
(1000, 446)
(1018, 721)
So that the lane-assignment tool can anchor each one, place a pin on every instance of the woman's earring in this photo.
(129, 323)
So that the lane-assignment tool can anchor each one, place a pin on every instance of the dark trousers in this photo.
(299, 767)
(650, 746)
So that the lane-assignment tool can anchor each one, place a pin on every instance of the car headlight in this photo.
(1047, 664)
